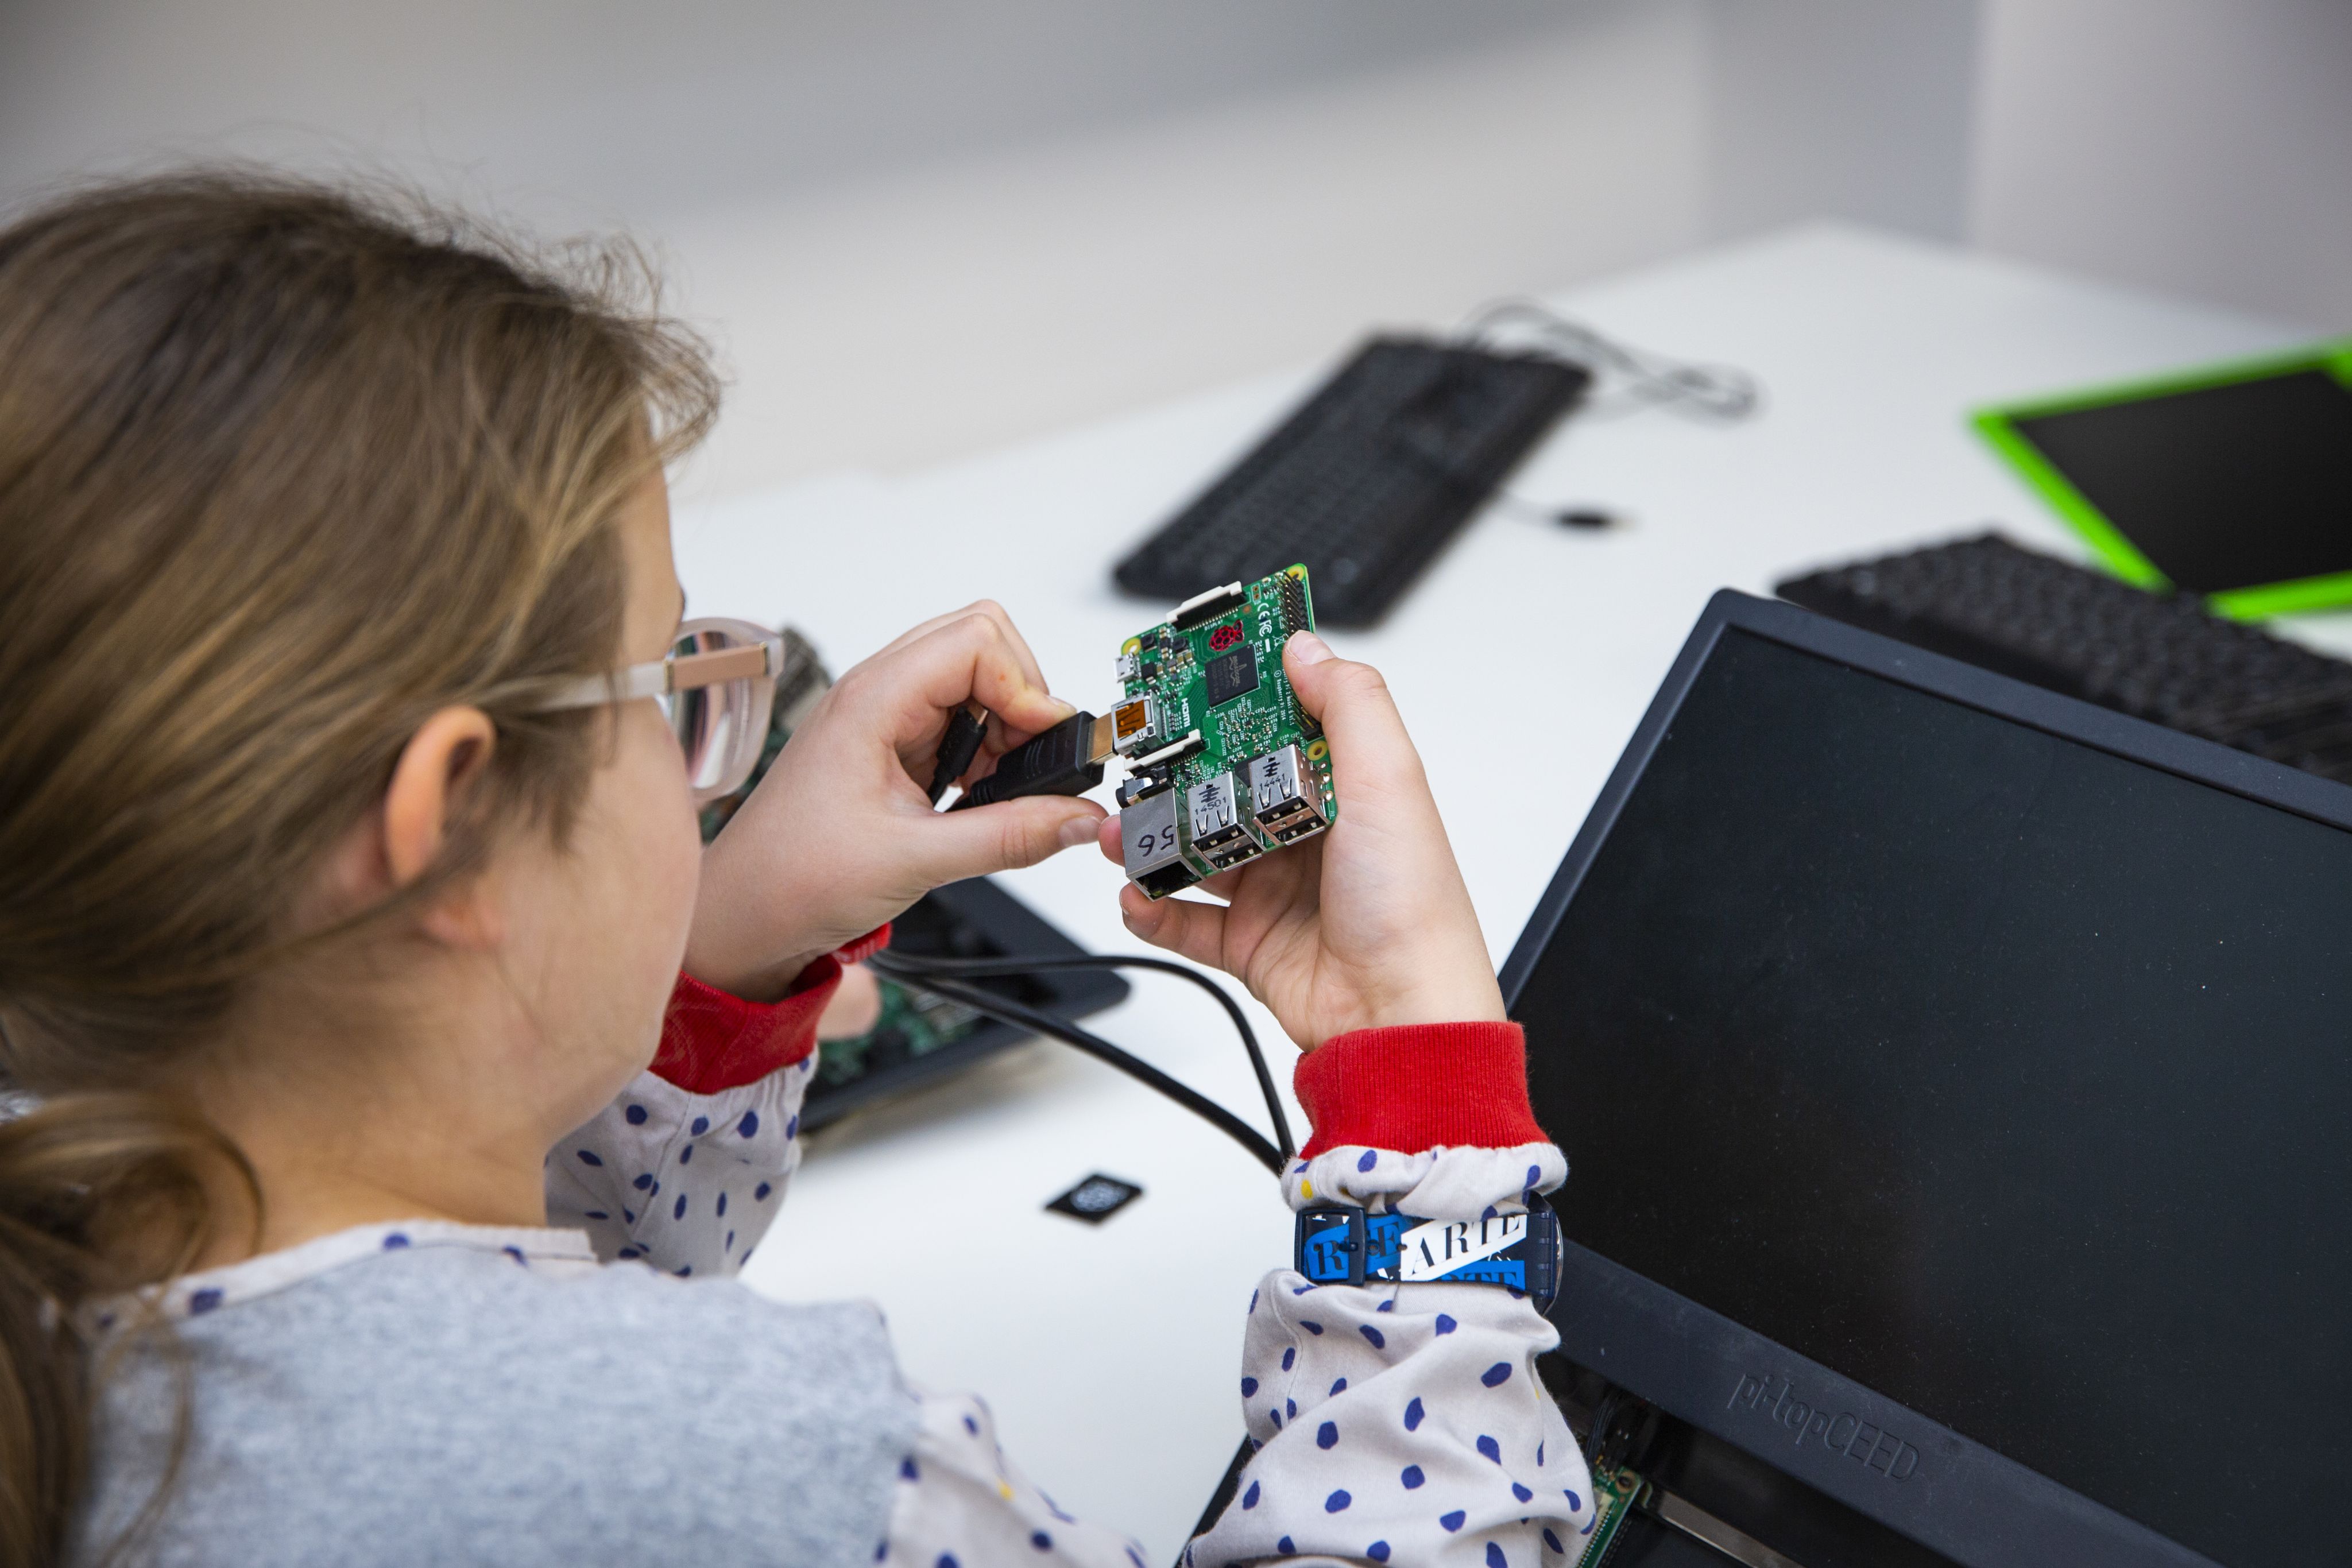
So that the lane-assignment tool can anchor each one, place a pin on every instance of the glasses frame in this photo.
(753, 664)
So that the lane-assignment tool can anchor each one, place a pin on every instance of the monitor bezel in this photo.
(1975, 1505)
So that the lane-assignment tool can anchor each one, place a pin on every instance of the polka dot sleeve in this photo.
(685, 1183)
(1404, 1423)
(685, 1170)
(962, 1504)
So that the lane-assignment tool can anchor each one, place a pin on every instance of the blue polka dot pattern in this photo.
(1249, 1498)
(1452, 1522)
(1337, 1503)
(685, 1155)
(637, 1114)
(1413, 1478)
(394, 1242)
(1496, 1375)
(1552, 1542)
(701, 1126)
(677, 1210)
(516, 1253)
(1495, 1558)
(1310, 1328)
(1522, 1493)
(202, 1301)
(1446, 1324)
(1386, 1306)
(749, 1126)
(1289, 1357)
(1368, 1161)
(1041, 1540)
(1412, 1417)
(1535, 1174)
(722, 1206)
(881, 1550)
(1327, 1436)
(1290, 1407)
(1575, 1504)
(598, 1214)
(792, 1128)
(1338, 1388)
(972, 1425)
(1491, 1448)
(1275, 1416)
(644, 1182)
(760, 1194)
(906, 1470)
(947, 1560)
(1286, 1548)
(684, 1271)
(1379, 1341)
(1249, 1386)
(588, 1158)
(1539, 1456)
(1378, 1551)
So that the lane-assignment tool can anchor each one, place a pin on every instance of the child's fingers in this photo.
(971, 658)
(993, 611)
(1004, 836)
(1189, 930)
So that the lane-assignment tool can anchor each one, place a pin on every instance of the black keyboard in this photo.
(1365, 480)
(2156, 656)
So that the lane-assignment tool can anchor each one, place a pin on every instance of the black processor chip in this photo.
(1232, 675)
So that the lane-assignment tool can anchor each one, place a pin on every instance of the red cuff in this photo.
(1418, 1086)
(713, 1040)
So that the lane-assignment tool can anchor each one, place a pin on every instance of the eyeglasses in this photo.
(716, 688)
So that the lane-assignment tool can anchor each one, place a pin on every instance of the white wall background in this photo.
(922, 228)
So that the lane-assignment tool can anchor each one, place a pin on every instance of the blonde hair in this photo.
(283, 469)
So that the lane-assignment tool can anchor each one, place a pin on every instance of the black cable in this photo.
(979, 967)
(988, 1004)
(1717, 392)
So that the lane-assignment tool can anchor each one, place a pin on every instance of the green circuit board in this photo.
(1227, 766)
(1614, 1497)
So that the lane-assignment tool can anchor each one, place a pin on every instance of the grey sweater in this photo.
(455, 1404)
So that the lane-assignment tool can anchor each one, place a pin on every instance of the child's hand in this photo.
(840, 836)
(1364, 925)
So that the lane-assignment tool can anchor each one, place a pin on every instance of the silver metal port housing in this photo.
(1220, 834)
(1283, 798)
(1147, 839)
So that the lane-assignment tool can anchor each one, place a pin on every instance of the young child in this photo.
(398, 1080)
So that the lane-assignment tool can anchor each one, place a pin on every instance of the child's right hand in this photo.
(1365, 925)
(841, 837)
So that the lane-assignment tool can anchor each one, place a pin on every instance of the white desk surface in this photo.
(1523, 661)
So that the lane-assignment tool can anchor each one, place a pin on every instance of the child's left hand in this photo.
(841, 837)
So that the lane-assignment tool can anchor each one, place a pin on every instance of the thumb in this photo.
(1004, 836)
(1352, 704)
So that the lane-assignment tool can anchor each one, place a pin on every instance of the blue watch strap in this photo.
(1338, 1245)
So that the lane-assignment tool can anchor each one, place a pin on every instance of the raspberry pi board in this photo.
(1226, 765)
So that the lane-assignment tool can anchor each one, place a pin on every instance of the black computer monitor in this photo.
(1957, 1083)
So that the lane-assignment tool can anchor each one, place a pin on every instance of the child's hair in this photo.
(283, 469)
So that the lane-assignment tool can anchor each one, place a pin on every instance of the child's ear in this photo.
(442, 763)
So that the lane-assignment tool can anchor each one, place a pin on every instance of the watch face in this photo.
(1096, 1198)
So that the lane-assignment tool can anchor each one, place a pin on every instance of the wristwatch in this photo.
(1338, 1245)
